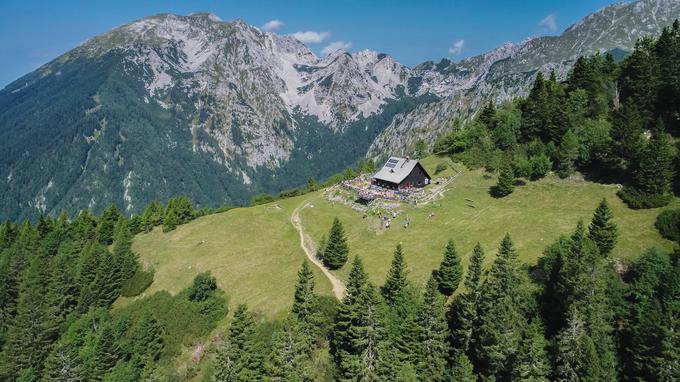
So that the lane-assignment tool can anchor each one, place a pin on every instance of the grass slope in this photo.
(254, 252)
(535, 215)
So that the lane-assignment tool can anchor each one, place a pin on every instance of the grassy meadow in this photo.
(254, 252)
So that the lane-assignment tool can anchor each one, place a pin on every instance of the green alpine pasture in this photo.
(254, 252)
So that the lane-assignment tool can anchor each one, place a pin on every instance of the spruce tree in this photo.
(240, 358)
(396, 281)
(450, 271)
(34, 329)
(290, 358)
(488, 115)
(107, 224)
(433, 335)
(170, 220)
(368, 337)
(506, 182)
(64, 364)
(336, 250)
(667, 52)
(125, 259)
(497, 336)
(106, 352)
(463, 312)
(654, 172)
(153, 216)
(108, 282)
(84, 227)
(627, 140)
(462, 369)
(534, 110)
(576, 354)
(343, 343)
(532, 362)
(305, 300)
(147, 342)
(667, 362)
(567, 154)
(602, 229)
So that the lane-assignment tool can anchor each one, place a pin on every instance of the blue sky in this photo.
(33, 32)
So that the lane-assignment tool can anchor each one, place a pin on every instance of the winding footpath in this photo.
(308, 247)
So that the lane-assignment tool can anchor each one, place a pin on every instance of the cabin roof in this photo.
(396, 170)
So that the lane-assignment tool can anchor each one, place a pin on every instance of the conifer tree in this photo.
(147, 342)
(343, 344)
(368, 336)
(63, 287)
(64, 364)
(405, 331)
(107, 224)
(153, 216)
(462, 369)
(34, 329)
(532, 362)
(639, 77)
(106, 352)
(108, 282)
(305, 299)
(488, 115)
(534, 110)
(576, 354)
(568, 154)
(462, 314)
(556, 119)
(654, 172)
(667, 53)
(170, 220)
(125, 259)
(506, 182)
(433, 335)
(498, 334)
(450, 271)
(626, 134)
(336, 249)
(240, 358)
(13, 263)
(667, 363)
(396, 281)
(602, 229)
(289, 359)
(182, 209)
(585, 296)
(84, 227)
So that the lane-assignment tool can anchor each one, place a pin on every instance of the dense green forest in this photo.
(612, 121)
(577, 315)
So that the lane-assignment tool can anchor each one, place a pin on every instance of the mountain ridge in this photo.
(219, 111)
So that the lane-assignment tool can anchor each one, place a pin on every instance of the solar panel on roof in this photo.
(393, 161)
(390, 165)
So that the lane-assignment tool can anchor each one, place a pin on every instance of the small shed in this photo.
(400, 173)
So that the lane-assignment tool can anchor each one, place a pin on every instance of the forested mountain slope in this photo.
(220, 111)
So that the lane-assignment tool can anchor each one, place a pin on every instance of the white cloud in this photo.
(457, 47)
(311, 37)
(272, 25)
(549, 22)
(335, 45)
